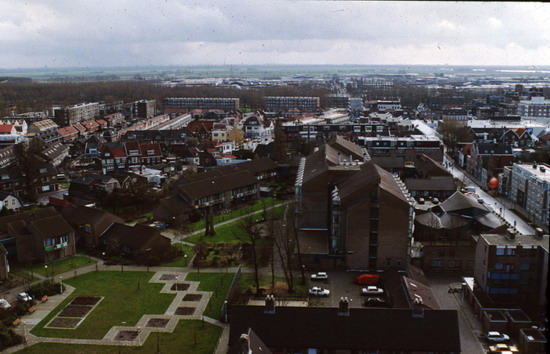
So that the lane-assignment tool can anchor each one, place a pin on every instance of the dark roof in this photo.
(494, 149)
(430, 184)
(46, 222)
(134, 237)
(458, 201)
(363, 329)
(219, 184)
(419, 291)
(79, 215)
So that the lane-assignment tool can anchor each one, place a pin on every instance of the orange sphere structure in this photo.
(493, 183)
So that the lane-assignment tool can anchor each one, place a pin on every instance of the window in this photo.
(524, 266)
(499, 266)
(500, 250)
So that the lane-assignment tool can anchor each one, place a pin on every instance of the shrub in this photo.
(47, 287)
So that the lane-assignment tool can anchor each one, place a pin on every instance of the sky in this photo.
(121, 33)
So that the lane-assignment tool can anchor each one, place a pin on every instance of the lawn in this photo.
(232, 232)
(182, 261)
(57, 267)
(218, 283)
(236, 213)
(23, 274)
(182, 340)
(122, 302)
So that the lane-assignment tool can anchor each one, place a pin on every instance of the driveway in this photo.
(468, 324)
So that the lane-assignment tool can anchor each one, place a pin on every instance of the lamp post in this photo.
(60, 284)
(46, 269)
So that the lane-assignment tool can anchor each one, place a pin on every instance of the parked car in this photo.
(503, 348)
(495, 336)
(375, 302)
(372, 290)
(480, 200)
(317, 291)
(421, 201)
(24, 297)
(4, 304)
(367, 279)
(319, 276)
(435, 200)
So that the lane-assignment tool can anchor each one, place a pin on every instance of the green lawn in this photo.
(232, 232)
(182, 261)
(57, 267)
(218, 283)
(23, 274)
(122, 302)
(182, 340)
(236, 213)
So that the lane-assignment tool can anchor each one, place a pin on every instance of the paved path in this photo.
(469, 326)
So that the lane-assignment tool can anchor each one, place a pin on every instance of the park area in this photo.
(107, 299)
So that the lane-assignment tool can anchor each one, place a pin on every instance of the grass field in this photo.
(122, 302)
(218, 283)
(233, 232)
(182, 261)
(57, 267)
(189, 336)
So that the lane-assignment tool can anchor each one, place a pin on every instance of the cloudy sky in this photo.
(75, 33)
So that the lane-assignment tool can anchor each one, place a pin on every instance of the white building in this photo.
(9, 201)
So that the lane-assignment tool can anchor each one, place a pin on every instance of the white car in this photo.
(4, 304)
(319, 276)
(317, 291)
(24, 297)
(495, 336)
(372, 290)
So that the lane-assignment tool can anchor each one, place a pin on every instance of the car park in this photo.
(495, 336)
(317, 291)
(372, 290)
(319, 276)
(24, 297)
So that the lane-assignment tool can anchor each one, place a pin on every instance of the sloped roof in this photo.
(6, 128)
(458, 201)
(347, 147)
(422, 292)
(315, 164)
(79, 215)
(363, 329)
(206, 187)
(136, 237)
(46, 222)
(497, 149)
(433, 184)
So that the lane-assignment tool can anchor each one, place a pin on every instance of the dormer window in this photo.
(150, 152)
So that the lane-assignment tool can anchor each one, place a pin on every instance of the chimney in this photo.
(244, 344)
(350, 159)
(511, 234)
(365, 156)
(269, 304)
(539, 233)
(417, 307)
(343, 307)
(338, 158)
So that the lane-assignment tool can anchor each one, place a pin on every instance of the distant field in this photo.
(257, 71)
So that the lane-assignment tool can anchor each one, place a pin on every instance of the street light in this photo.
(60, 284)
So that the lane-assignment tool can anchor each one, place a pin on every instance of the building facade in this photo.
(529, 187)
(76, 113)
(190, 103)
(283, 103)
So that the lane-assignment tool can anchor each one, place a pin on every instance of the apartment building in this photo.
(513, 269)
(284, 103)
(351, 213)
(143, 108)
(535, 107)
(190, 103)
(406, 147)
(529, 187)
(76, 113)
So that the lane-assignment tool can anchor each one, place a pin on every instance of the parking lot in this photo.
(340, 284)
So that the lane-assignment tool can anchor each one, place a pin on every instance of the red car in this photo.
(367, 279)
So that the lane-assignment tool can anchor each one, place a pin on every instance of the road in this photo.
(499, 205)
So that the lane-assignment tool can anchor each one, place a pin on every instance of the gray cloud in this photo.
(124, 32)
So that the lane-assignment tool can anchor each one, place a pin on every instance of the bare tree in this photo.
(254, 233)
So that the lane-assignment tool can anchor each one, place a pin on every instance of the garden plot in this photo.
(74, 313)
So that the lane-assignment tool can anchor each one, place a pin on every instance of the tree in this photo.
(254, 233)
(29, 163)
(454, 132)
(280, 143)
(236, 135)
